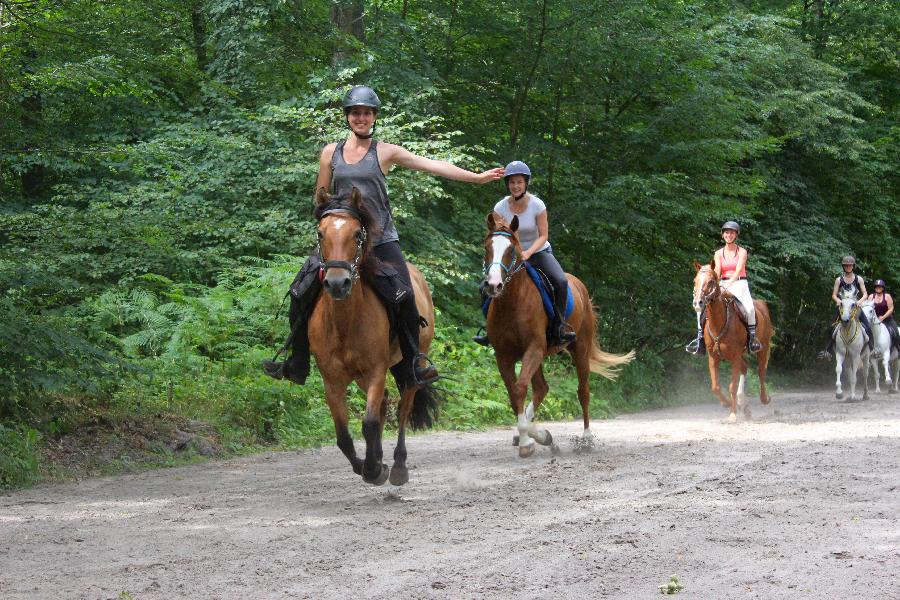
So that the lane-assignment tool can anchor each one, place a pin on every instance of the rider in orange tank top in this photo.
(731, 267)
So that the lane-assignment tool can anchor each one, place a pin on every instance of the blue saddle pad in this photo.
(546, 295)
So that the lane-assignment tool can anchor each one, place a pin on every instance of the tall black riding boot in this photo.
(753, 344)
(561, 331)
(417, 368)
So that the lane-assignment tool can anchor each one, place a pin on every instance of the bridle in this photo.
(353, 267)
(705, 300)
(514, 267)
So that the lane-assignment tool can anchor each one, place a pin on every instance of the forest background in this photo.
(157, 159)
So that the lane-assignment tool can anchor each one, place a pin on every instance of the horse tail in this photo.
(426, 406)
(601, 362)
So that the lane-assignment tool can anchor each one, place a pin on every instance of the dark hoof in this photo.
(839, 396)
(399, 475)
(526, 451)
(548, 441)
(515, 440)
(378, 479)
(765, 399)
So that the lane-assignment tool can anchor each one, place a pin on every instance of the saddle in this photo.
(545, 288)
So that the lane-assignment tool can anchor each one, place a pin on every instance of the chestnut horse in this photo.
(349, 333)
(726, 338)
(517, 326)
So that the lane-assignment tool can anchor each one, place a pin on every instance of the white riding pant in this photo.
(740, 289)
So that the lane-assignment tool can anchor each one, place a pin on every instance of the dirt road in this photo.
(804, 502)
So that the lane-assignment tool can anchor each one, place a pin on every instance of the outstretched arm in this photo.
(396, 155)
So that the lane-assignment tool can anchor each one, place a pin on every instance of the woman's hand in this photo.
(490, 175)
(526, 254)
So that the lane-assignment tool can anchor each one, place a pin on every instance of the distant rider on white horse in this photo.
(847, 285)
(884, 311)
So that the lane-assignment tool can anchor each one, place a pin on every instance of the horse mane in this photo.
(367, 219)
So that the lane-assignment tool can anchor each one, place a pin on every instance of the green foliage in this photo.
(19, 456)
(157, 161)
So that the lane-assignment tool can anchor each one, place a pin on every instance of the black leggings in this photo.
(546, 262)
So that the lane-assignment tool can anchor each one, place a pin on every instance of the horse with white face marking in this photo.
(517, 328)
(851, 346)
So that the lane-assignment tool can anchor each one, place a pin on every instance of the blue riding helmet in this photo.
(517, 167)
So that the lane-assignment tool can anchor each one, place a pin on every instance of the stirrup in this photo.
(424, 375)
(480, 338)
(753, 345)
(562, 337)
(275, 370)
(696, 346)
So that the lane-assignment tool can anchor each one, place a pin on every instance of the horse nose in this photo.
(337, 286)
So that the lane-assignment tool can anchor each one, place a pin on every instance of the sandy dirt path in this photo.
(804, 502)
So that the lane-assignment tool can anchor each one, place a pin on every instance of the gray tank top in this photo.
(365, 175)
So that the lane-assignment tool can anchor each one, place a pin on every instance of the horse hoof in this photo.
(378, 479)
(748, 414)
(839, 396)
(732, 418)
(526, 451)
(515, 440)
(765, 398)
(548, 440)
(399, 475)
(555, 450)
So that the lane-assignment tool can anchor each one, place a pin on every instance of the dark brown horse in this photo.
(349, 333)
(726, 338)
(517, 326)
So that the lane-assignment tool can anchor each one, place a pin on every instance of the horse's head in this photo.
(849, 309)
(706, 285)
(345, 227)
(502, 253)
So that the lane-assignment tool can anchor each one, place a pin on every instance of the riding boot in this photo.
(480, 338)
(753, 344)
(295, 367)
(868, 328)
(697, 346)
(417, 368)
(561, 332)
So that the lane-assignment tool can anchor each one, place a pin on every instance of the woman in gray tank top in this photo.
(362, 162)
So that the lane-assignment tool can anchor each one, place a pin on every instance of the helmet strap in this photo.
(520, 196)
(367, 136)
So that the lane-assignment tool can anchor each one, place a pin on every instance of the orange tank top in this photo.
(729, 264)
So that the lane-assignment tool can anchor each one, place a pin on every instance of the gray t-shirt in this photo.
(528, 229)
(365, 175)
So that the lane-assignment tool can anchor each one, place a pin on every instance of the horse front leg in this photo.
(374, 471)
(864, 360)
(335, 396)
(714, 379)
(838, 369)
(851, 376)
(399, 472)
(539, 389)
(736, 366)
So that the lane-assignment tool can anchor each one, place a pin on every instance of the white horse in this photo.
(851, 344)
(890, 358)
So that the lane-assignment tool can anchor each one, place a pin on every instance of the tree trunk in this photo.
(347, 15)
(198, 28)
(522, 95)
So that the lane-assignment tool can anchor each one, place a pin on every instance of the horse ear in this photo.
(322, 197)
(697, 266)
(355, 198)
(491, 222)
(515, 223)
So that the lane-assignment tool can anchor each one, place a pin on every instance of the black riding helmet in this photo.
(361, 95)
